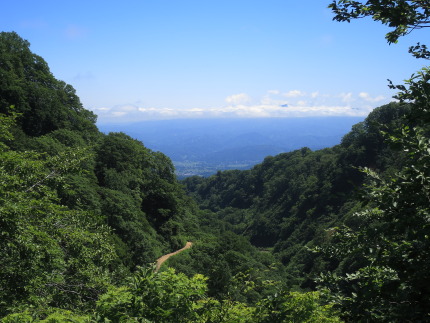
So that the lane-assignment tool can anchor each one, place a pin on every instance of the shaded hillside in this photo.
(109, 186)
(82, 211)
(288, 200)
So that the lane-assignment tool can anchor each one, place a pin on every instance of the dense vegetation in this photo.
(305, 236)
(84, 215)
(287, 203)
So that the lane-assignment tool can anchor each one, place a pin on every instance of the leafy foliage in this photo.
(171, 297)
(80, 211)
(46, 104)
(163, 297)
(391, 237)
(51, 255)
(403, 16)
(384, 254)
(77, 208)
(287, 202)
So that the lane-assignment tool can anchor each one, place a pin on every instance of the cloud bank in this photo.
(274, 104)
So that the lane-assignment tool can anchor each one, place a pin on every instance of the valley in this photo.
(204, 146)
(196, 220)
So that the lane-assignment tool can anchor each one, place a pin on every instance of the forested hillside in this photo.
(335, 234)
(287, 203)
(351, 221)
(84, 216)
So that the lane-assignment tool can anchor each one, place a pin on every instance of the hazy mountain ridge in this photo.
(203, 146)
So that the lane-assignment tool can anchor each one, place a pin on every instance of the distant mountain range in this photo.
(204, 146)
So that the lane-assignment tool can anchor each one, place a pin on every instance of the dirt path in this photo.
(162, 259)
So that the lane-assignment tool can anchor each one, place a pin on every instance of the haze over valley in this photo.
(204, 146)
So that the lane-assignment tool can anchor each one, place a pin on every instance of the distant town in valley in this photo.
(204, 146)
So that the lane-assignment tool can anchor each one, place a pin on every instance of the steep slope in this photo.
(123, 195)
(81, 210)
(288, 201)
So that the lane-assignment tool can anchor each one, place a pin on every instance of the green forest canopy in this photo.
(305, 236)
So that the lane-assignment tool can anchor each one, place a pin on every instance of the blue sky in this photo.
(161, 59)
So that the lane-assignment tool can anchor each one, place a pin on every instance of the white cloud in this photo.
(366, 96)
(238, 98)
(273, 97)
(346, 97)
(102, 109)
(118, 113)
(272, 104)
(294, 94)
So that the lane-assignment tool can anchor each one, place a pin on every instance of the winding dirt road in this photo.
(162, 259)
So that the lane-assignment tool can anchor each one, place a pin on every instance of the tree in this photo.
(140, 196)
(46, 103)
(388, 252)
(157, 297)
(385, 258)
(294, 307)
(401, 15)
(50, 255)
(173, 297)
